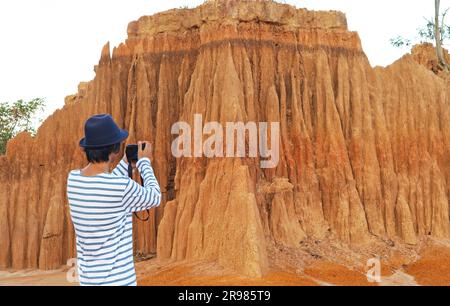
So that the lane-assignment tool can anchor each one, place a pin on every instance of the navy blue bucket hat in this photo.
(100, 131)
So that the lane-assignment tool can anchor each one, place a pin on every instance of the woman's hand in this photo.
(147, 152)
(124, 158)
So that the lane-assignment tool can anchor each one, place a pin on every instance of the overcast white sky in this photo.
(48, 46)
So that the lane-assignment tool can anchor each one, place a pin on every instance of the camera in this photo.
(131, 152)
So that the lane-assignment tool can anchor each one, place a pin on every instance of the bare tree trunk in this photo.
(437, 35)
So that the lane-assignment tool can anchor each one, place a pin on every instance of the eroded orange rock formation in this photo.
(364, 152)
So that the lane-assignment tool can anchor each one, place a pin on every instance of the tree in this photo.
(435, 31)
(437, 35)
(18, 117)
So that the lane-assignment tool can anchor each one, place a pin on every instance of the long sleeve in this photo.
(121, 169)
(137, 197)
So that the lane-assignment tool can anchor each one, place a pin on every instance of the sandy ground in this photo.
(431, 268)
(34, 278)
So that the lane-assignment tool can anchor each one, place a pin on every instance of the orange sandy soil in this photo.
(432, 268)
(34, 278)
(320, 273)
(209, 274)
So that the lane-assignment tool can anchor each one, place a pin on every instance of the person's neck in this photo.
(97, 168)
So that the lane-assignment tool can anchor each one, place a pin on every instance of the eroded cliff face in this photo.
(364, 152)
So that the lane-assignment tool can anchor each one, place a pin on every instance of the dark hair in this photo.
(99, 155)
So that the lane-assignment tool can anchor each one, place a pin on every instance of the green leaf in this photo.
(17, 117)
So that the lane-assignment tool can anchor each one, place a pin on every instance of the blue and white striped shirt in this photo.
(101, 208)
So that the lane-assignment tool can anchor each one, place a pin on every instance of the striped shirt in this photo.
(101, 208)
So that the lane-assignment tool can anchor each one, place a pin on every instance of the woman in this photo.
(102, 202)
